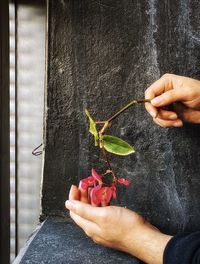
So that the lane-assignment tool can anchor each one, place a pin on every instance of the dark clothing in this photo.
(183, 249)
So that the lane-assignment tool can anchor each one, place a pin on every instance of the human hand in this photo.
(182, 92)
(118, 228)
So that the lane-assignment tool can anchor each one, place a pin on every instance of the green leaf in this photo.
(92, 128)
(116, 145)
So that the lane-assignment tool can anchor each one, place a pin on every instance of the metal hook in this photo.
(37, 153)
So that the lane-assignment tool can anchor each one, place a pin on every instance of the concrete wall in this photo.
(101, 55)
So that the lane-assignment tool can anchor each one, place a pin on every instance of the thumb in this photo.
(167, 98)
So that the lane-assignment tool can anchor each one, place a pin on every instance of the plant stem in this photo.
(100, 122)
(108, 163)
(128, 106)
(107, 123)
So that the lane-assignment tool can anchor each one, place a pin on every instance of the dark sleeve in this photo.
(183, 249)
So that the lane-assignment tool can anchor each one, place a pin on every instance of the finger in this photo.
(89, 228)
(168, 98)
(186, 114)
(161, 113)
(74, 193)
(149, 94)
(151, 109)
(160, 86)
(167, 115)
(157, 88)
(168, 123)
(83, 195)
(85, 211)
(191, 116)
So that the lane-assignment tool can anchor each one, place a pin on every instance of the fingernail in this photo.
(153, 114)
(173, 116)
(157, 100)
(178, 123)
(72, 187)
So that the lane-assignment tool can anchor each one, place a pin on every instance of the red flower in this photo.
(98, 193)
(105, 195)
(85, 183)
(96, 176)
(101, 195)
(124, 181)
(94, 197)
(91, 180)
(114, 191)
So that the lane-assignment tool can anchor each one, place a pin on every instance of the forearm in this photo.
(148, 244)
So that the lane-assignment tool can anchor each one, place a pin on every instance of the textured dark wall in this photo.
(102, 54)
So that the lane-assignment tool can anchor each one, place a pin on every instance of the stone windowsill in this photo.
(58, 240)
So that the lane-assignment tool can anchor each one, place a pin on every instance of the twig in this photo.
(108, 122)
(138, 101)
(108, 164)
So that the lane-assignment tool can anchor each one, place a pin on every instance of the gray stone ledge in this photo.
(59, 240)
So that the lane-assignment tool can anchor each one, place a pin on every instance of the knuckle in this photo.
(149, 93)
(163, 124)
(88, 232)
(167, 76)
(146, 92)
(71, 214)
(104, 216)
(192, 94)
(166, 97)
(160, 123)
(146, 107)
(169, 94)
(96, 239)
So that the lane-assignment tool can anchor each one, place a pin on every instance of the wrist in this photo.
(148, 244)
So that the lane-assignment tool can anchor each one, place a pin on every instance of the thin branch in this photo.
(100, 122)
(108, 163)
(108, 122)
(128, 106)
